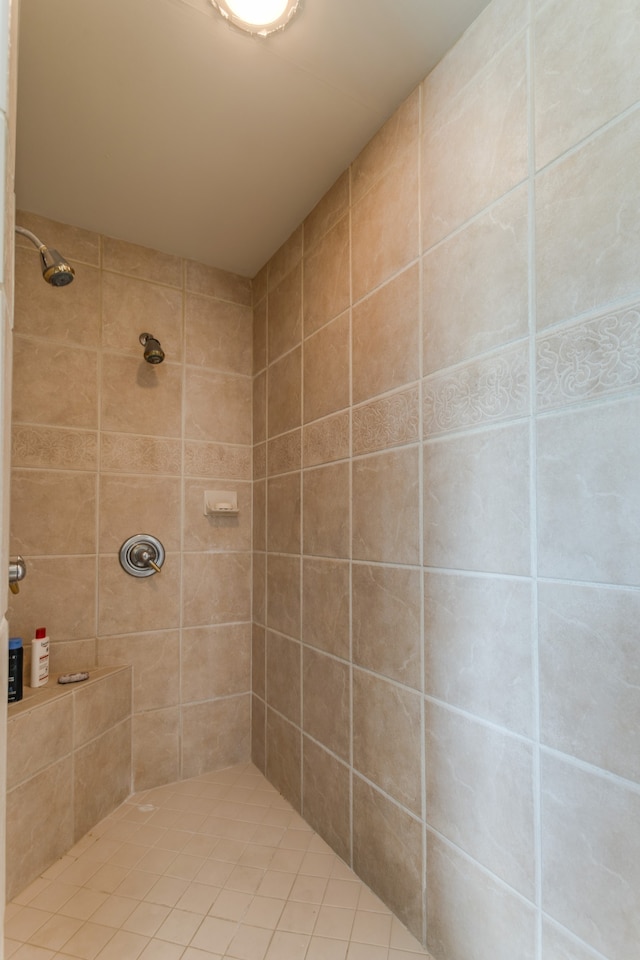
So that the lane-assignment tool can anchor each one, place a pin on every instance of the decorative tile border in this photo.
(485, 391)
(388, 422)
(54, 447)
(217, 460)
(128, 453)
(326, 440)
(284, 453)
(259, 461)
(591, 359)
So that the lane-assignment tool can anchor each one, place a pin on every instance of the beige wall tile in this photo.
(283, 513)
(25, 861)
(71, 656)
(478, 647)
(589, 360)
(285, 258)
(590, 705)
(589, 836)
(259, 583)
(155, 659)
(386, 622)
(388, 422)
(101, 777)
(284, 312)
(326, 797)
(137, 604)
(325, 605)
(588, 495)
(388, 210)
(477, 501)
(53, 512)
(217, 407)
(387, 853)
(72, 317)
(325, 530)
(212, 282)
(496, 26)
(487, 390)
(218, 335)
(258, 660)
(476, 286)
(260, 336)
(326, 370)
(156, 748)
(128, 453)
(215, 588)
(326, 277)
(571, 63)
(38, 738)
(284, 453)
(283, 676)
(130, 504)
(216, 661)
(223, 461)
(153, 396)
(33, 446)
(137, 261)
(586, 226)
(557, 944)
(454, 879)
(330, 727)
(385, 507)
(283, 594)
(258, 738)
(284, 394)
(260, 408)
(387, 146)
(386, 737)
(216, 533)
(284, 757)
(327, 211)
(259, 532)
(59, 593)
(477, 150)
(215, 734)
(131, 307)
(326, 440)
(386, 333)
(100, 706)
(260, 283)
(492, 818)
(67, 397)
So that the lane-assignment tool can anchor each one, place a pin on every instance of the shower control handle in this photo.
(142, 555)
(17, 572)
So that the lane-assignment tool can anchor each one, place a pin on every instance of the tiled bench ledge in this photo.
(68, 766)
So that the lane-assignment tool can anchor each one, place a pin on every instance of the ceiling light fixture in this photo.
(259, 17)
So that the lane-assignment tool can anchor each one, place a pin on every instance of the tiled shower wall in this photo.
(446, 669)
(106, 446)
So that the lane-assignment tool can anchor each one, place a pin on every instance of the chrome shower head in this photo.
(55, 269)
(153, 352)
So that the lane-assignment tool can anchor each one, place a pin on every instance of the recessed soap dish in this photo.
(219, 503)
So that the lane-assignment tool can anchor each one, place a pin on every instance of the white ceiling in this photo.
(156, 122)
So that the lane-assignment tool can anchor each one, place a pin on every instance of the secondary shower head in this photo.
(153, 352)
(55, 269)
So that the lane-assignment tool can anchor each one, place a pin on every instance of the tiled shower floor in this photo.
(215, 867)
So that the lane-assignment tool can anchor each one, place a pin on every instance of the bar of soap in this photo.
(73, 677)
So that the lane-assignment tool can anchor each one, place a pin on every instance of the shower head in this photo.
(55, 269)
(153, 352)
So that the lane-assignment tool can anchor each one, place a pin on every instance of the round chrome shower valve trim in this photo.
(142, 555)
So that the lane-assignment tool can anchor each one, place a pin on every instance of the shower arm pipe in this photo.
(31, 236)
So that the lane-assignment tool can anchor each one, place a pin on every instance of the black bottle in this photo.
(16, 653)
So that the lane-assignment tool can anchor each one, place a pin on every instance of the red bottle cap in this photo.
(41, 633)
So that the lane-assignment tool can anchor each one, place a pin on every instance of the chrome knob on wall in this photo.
(142, 555)
(17, 572)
